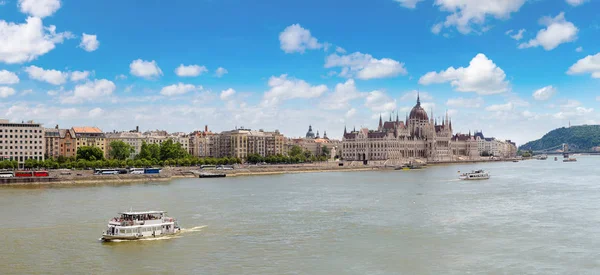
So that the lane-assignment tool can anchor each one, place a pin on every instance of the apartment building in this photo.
(90, 136)
(60, 142)
(21, 141)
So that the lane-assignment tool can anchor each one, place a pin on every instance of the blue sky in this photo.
(512, 68)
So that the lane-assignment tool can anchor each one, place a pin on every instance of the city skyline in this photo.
(514, 72)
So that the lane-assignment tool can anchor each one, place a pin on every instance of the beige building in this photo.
(495, 147)
(133, 138)
(21, 141)
(200, 143)
(240, 143)
(90, 136)
(418, 137)
(60, 142)
(158, 137)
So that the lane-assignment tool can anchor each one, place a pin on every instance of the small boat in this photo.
(475, 175)
(515, 160)
(570, 160)
(211, 175)
(555, 158)
(134, 225)
(409, 166)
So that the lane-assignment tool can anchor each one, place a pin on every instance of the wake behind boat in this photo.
(475, 175)
(140, 225)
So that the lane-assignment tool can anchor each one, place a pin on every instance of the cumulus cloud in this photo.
(79, 75)
(96, 112)
(482, 76)
(179, 89)
(6, 92)
(573, 113)
(145, 69)
(295, 38)
(517, 36)
(221, 72)
(380, 102)
(121, 77)
(227, 94)
(587, 65)
(190, 71)
(557, 31)
(90, 91)
(39, 8)
(342, 95)
(284, 88)
(412, 96)
(411, 4)
(8, 78)
(89, 42)
(579, 49)
(500, 107)
(350, 113)
(465, 14)
(25, 42)
(575, 3)
(461, 102)
(544, 93)
(53, 77)
(365, 66)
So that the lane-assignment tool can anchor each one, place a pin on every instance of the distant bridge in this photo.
(560, 149)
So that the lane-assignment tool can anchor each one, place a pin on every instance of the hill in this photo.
(579, 138)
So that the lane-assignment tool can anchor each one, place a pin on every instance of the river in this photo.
(531, 217)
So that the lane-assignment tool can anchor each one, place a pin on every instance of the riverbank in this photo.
(75, 177)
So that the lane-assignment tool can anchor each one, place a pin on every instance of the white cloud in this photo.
(90, 91)
(39, 8)
(579, 49)
(482, 76)
(191, 70)
(6, 92)
(121, 77)
(79, 75)
(284, 88)
(570, 104)
(297, 39)
(96, 112)
(221, 72)
(557, 31)
(500, 107)
(364, 66)
(226, 94)
(56, 92)
(25, 42)
(467, 13)
(89, 42)
(575, 3)
(8, 78)
(341, 97)
(128, 89)
(350, 113)
(340, 50)
(380, 102)
(53, 77)
(412, 96)
(460, 102)
(27, 92)
(573, 113)
(589, 64)
(544, 93)
(68, 112)
(517, 36)
(411, 4)
(145, 69)
(179, 89)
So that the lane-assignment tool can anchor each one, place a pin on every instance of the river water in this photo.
(531, 217)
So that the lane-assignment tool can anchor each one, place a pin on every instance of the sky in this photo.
(514, 69)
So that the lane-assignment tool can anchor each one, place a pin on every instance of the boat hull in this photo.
(112, 238)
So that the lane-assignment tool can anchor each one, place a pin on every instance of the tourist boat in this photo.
(140, 225)
(542, 157)
(475, 175)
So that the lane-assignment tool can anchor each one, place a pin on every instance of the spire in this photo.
(418, 98)
(397, 118)
(325, 134)
(380, 122)
(345, 132)
(390, 116)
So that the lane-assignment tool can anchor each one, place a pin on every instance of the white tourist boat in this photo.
(475, 175)
(135, 225)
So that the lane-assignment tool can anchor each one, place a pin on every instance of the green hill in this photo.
(579, 138)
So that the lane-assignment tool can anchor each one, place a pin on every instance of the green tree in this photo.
(325, 151)
(171, 150)
(90, 153)
(119, 150)
(296, 150)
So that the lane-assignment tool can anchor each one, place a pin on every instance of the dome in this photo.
(418, 112)
(310, 133)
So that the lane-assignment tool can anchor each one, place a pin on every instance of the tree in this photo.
(170, 150)
(89, 153)
(296, 150)
(325, 151)
(120, 150)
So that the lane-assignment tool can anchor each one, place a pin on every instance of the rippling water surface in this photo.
(532, 217)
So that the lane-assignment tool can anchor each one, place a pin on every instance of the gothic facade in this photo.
(418, 137)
